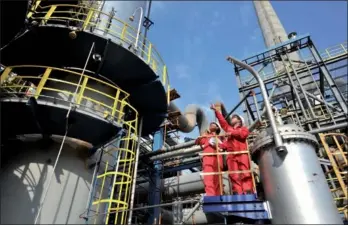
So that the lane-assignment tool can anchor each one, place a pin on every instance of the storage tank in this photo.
(25, 176)
(293, 182)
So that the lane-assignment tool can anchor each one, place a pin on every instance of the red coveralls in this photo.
(241, 182)
(210, 165)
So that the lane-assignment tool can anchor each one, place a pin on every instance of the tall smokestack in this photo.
(274, 33)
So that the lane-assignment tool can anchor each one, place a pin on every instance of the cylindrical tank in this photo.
(294, 183)
(25, 176)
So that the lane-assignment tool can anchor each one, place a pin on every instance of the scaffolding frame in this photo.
(316, 109)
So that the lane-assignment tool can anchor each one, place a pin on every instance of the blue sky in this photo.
(194, 38)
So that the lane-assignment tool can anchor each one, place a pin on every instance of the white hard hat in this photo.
(241, 118)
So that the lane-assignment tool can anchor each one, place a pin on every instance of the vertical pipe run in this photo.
(256, 105)
(154, 196)
(131, 203)
(316, 85)
(301, 88)
(295, 90)
(239, 83)
(277, 138)
(146, 30)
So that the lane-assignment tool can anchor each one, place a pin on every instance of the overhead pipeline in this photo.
(198, 217)
(194, 115)
(187, 184)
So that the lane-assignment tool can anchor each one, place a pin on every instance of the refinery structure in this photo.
(89, 123)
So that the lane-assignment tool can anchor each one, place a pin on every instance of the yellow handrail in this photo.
(338, 161)
(47, 82)
(326, 54)
(105, 25)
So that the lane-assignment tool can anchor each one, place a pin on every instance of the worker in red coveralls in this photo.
(236, 141)
(210, 162)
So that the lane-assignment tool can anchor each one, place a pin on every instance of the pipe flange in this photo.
(289, 133)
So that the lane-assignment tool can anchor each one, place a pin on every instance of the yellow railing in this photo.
(90, 19)
(118, 176)
(327, 54)
(335, 146)
(47, 83)
(219, 173)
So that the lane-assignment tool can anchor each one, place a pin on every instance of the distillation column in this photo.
(94, 94)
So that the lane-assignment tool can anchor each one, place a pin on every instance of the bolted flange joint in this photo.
(288, 132)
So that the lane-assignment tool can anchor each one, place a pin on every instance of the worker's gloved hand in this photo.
(212, 141)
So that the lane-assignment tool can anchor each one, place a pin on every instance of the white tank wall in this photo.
(25, 178)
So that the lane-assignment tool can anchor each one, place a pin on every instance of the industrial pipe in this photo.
(252, 126)
(316, 98)
(277, 138)
(329, 128)
(240, 102)
(183, 185)
(193, 115)
(172, 154)
(198, 217)
(179, 146)
(136, 163)
(191, 212)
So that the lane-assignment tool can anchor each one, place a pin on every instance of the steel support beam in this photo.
(283, 75)
(181, 167)
(154, 197)
(324, 70)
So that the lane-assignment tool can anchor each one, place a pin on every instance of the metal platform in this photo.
(143, 78)
(244, 206)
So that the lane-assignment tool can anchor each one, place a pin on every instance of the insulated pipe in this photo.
(198, 217)
(184, 185)
(172, 154)
(179, 146)
(193, 115)
(252, 126)
(277, 138)
(191, 212)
